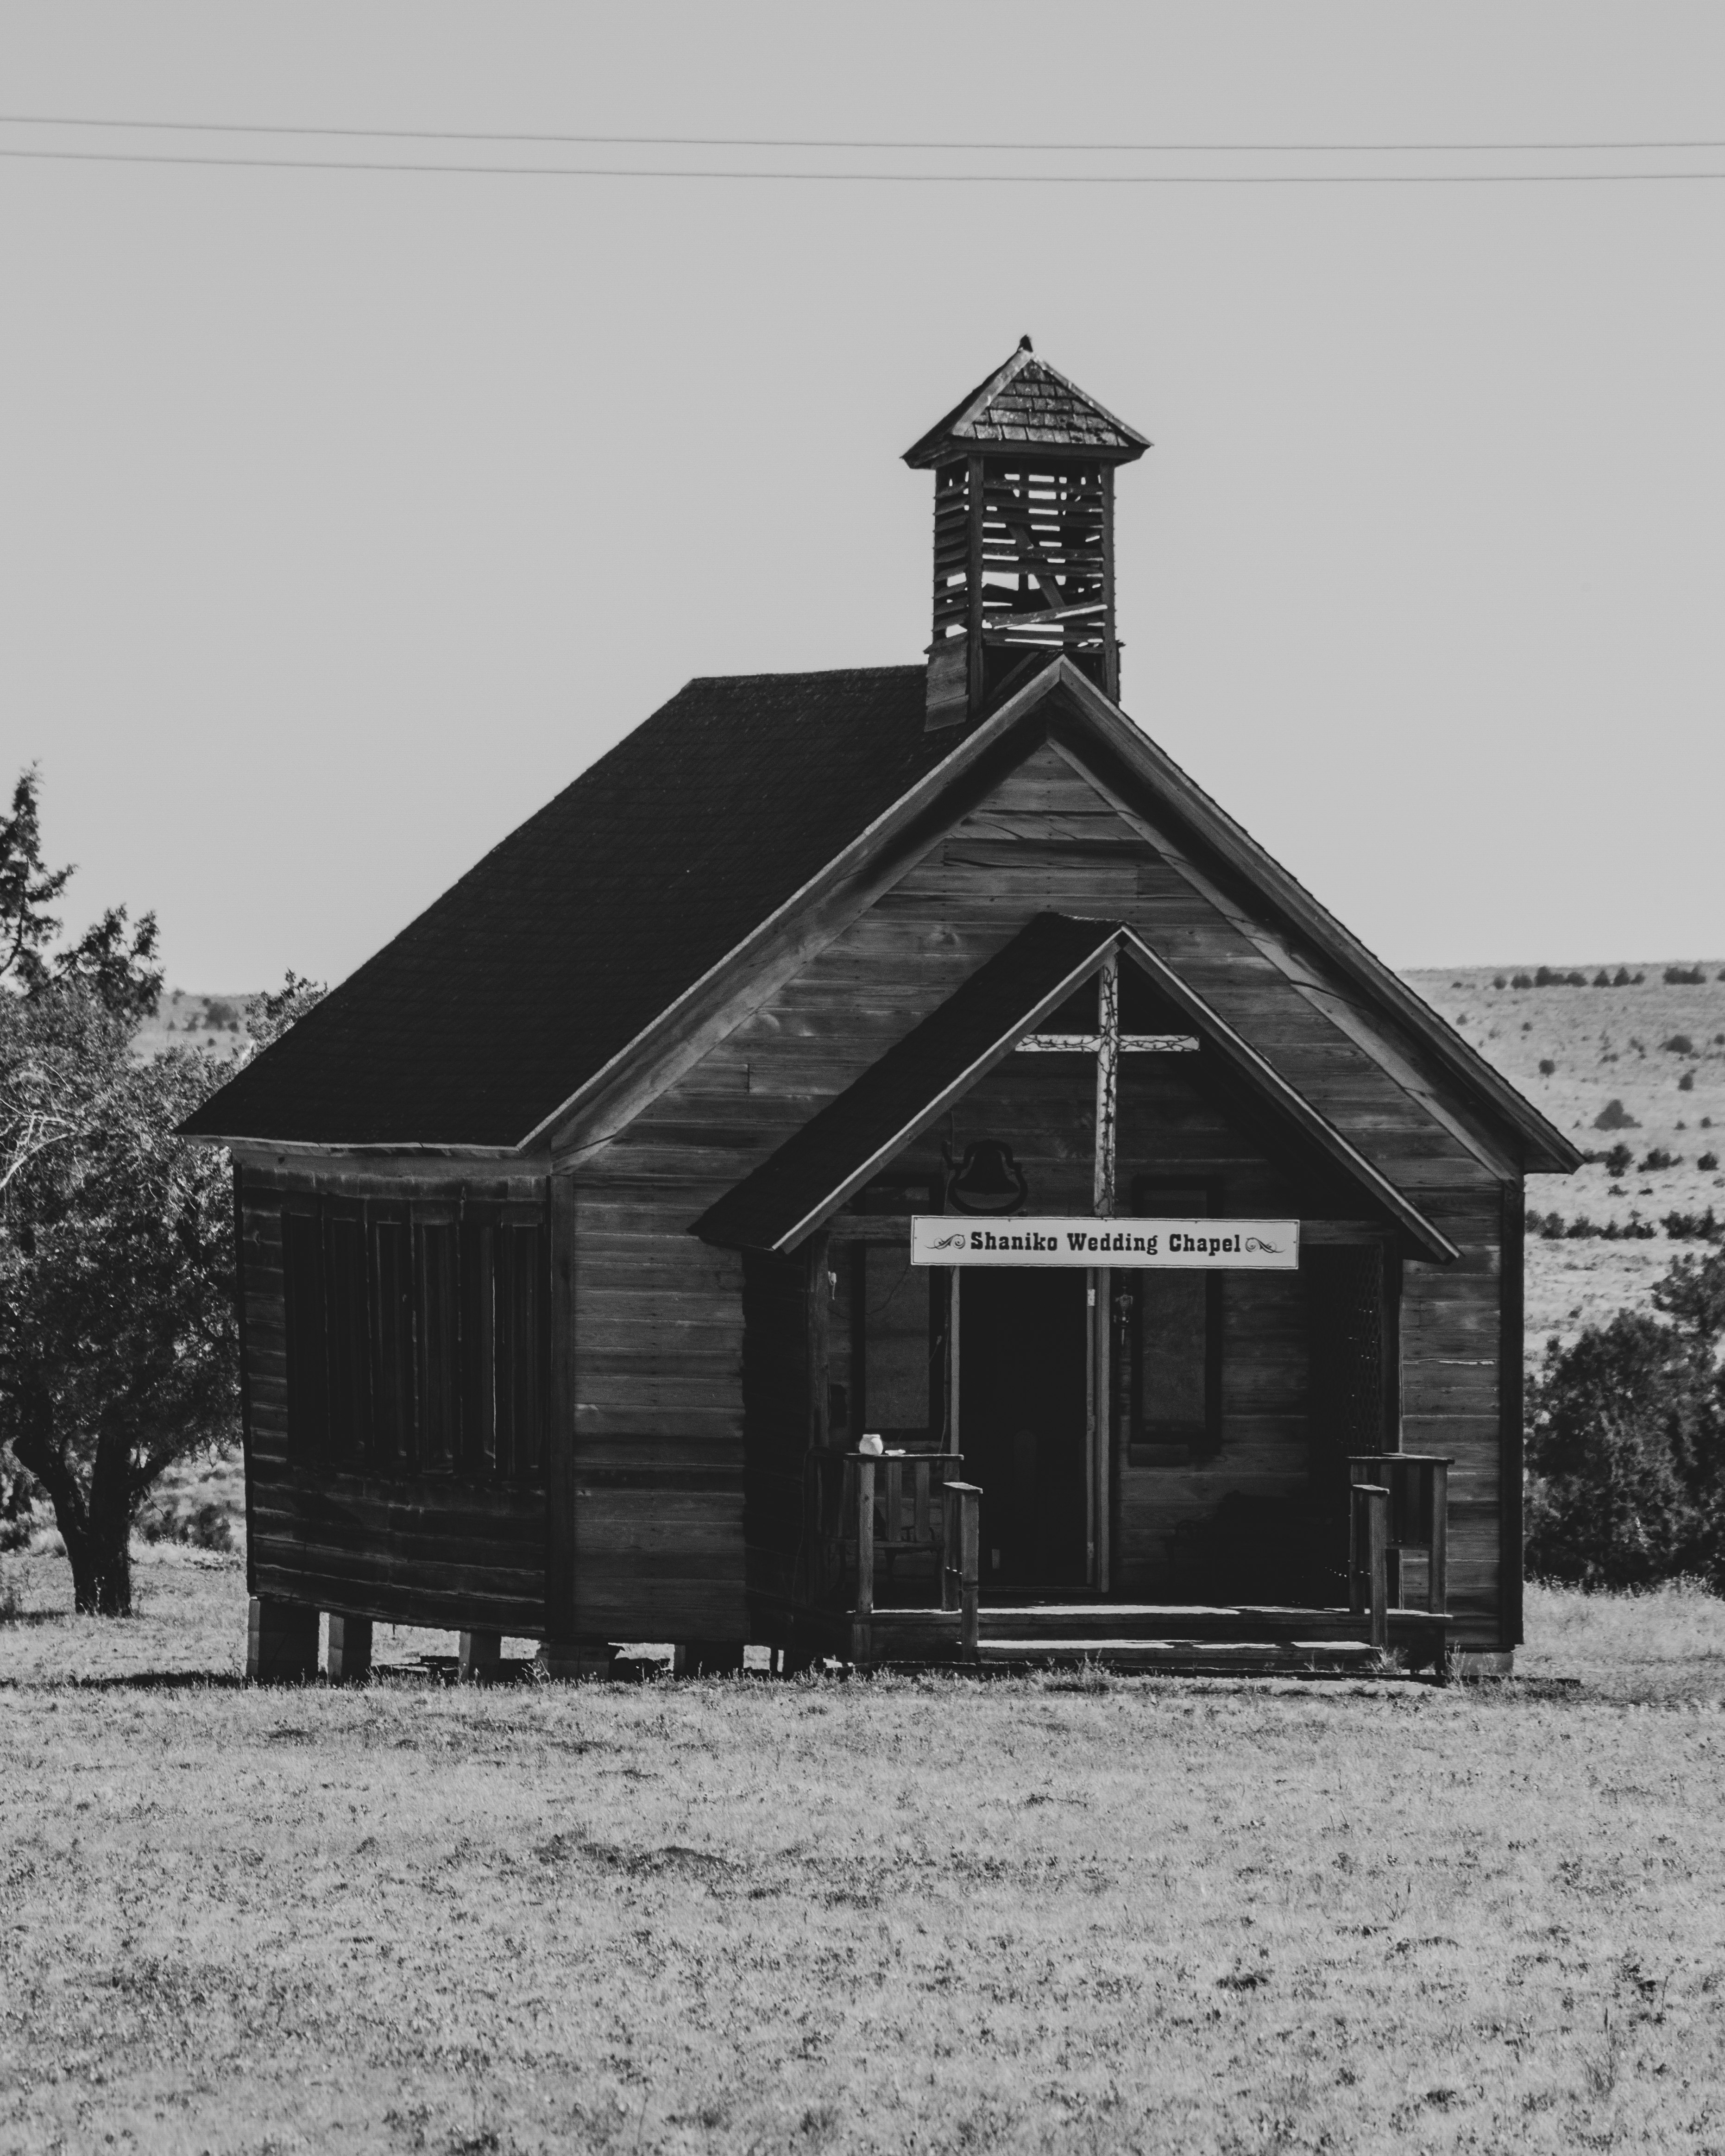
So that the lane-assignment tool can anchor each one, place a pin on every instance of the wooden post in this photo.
(562, 1639)
(1369, 1586)
(482, 1656)
(1107, 1084)
(974, 578)
(954, 1276)
(865, 1537)
(1101, 1316)
(280, 1642)
(1090, 1426)
(1437, 1574)
(970, 1538)
(1110, 642)
(347, 1660)
(819, 1340)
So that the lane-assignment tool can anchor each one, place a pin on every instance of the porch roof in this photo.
(857, 1132)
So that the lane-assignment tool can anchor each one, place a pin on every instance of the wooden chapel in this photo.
(883, 1167)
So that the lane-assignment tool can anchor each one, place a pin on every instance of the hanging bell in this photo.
(989, 1181)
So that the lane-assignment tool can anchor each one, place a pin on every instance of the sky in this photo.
(346, 517)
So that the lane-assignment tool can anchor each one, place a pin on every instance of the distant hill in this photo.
(1655, 1046)
(217, 1022)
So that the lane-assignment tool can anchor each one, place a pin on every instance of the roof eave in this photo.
(1547, 1150)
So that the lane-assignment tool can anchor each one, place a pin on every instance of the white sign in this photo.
(938, 1239)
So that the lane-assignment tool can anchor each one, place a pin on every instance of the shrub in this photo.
(1615, 1117)
(1546, 1066)
(1684, 977)
(219, 1016)
(1658, 1157)
(1708, 1162)
(1499, 982)
(1521, 981)
(1619, 1160)
(1685, 1083)
(1679, 1044)
(1626, 1442)
(200, 1527)
(1694, 1227)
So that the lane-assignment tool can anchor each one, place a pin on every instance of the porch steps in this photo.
(1232, 1658)
(1200, 1639)
(1162, 1620)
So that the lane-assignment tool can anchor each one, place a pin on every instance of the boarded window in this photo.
(393, 1390)
(418, 1339)
(522, 1338)
(439, 1344)
(478, 1340)
(349, 1335)
(307, 1369)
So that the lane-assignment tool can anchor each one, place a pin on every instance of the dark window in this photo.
(888, 1341)
(418, 1340)
(1168, 1336)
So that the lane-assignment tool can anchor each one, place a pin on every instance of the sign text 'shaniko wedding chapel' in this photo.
(622, 1244)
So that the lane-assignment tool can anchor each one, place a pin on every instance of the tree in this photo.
(119, 1349)
(1626, 1442)
(118, 1342)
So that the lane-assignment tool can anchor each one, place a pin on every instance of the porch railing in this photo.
(906, 1531)
(1399, 1507)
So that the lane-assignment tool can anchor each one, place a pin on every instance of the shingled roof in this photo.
(1028, 403)
(588, 926)
(483, 1016)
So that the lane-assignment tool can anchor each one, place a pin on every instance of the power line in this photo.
(820, 142)
(890, 179)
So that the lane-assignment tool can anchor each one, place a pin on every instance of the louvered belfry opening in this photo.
(1024, 535)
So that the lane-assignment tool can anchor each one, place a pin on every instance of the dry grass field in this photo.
(1054, 1913)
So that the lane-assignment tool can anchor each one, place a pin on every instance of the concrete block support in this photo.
(348, 1658)
(280, 1642)
(482, 1656)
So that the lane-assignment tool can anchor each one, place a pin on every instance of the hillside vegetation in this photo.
(1656, 1048)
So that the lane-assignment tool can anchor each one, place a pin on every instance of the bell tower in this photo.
(1024, 534)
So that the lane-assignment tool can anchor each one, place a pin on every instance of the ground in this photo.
(753, 1915)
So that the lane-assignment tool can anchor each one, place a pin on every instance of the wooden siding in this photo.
(1452, 1404)
(442, 1549)
(658, 1366)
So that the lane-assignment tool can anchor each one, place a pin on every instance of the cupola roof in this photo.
(1028, 404)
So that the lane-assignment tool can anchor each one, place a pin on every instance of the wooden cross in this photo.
(1107, 1045)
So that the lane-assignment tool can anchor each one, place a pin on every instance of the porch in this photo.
(894, 1581)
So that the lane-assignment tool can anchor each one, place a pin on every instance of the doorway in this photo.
(1023, 1424)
